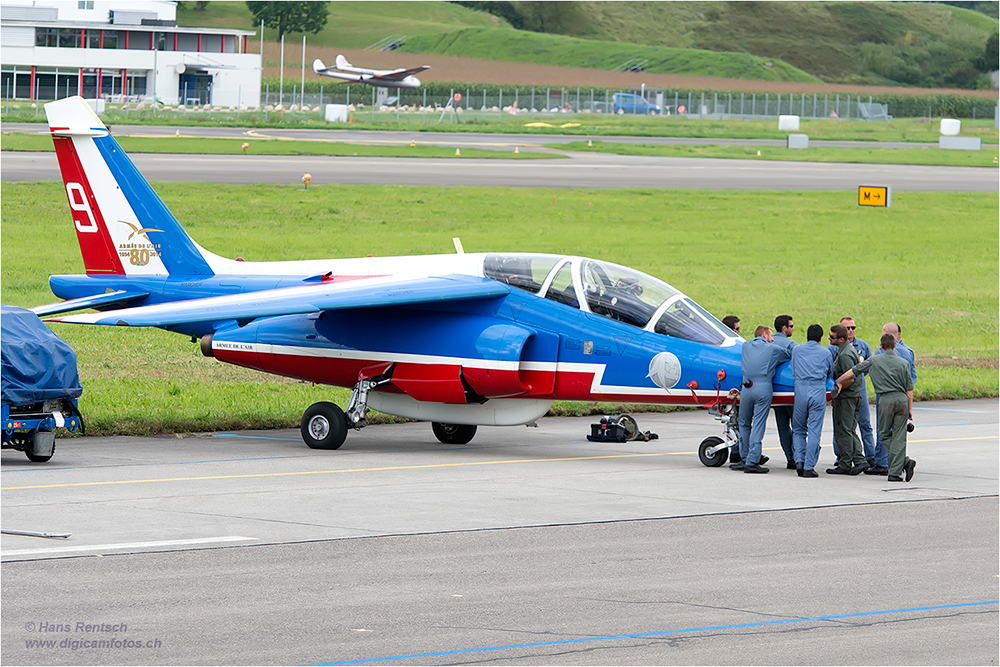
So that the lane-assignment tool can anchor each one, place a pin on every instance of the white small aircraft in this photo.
(382, 78)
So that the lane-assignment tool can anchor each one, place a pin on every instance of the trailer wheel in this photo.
(39, 458)
(453, 434)
(324, 426)
(712, 460)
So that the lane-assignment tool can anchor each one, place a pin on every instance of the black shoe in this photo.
(763, 460)
(734, 457)
(877, 470)
(893, 478)
(858, 469)
(908, 468)
(871, 463)
(736, 466)
(809, 473)
(757, 469)
(838, 471)
(790, 465)
(799, 468)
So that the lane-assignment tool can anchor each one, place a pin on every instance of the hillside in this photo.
(858, 43)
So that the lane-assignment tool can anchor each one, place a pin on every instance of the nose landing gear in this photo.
(714, 451)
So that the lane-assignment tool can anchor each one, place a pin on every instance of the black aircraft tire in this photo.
(324, 426)
(453, 434)
(716, 460)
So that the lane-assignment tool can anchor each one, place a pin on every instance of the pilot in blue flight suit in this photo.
(811, 366)
(783, 329)
(881, 465)
(760, 358)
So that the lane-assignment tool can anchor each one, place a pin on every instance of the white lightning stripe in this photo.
(597, 370)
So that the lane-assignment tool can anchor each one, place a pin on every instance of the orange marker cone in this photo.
(516, 150)
(458, 152)
(758, 153)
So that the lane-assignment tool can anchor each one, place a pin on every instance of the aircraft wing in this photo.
(400, 74)
(119, 298)
(365, 293)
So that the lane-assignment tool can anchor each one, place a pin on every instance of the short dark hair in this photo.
(781, 321)
(839, 330)
(759, 331)
(814, 332)
(888, 341)
(731, 321)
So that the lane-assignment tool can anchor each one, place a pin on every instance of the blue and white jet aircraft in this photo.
(458, 340)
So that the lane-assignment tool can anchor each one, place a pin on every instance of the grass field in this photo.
(901, 129)
(12, 141)
(873, 155)
(197, 145)
(930, 262)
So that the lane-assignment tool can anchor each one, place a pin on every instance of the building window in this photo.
(70, 38)
(85, 4)
(46, 36)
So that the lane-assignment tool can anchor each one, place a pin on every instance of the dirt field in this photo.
(447, 68)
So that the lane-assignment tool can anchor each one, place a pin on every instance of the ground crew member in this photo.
(881, 466)
(783, 329)
(864, 414)
(893, 384)
(811, 367)
(760, 357)
(733, 323)
(846, 406)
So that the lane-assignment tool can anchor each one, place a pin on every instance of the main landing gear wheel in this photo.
(324, 426)
(712, 460)
(453, 434)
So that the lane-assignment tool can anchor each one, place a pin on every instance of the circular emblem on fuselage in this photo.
(665, 370)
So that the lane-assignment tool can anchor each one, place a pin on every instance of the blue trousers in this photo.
(783, 419)
(755, 403)
(807, 421)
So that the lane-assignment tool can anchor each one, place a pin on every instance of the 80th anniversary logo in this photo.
(85, 635)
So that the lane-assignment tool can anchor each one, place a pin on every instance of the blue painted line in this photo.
(975, 412)
(641, 635)
(257, 458)
(253, 437)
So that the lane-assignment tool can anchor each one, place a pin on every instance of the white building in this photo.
(51, 49)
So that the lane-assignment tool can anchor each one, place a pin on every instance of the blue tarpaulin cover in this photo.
(37, 364)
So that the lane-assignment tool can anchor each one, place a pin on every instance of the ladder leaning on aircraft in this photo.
(459, 340)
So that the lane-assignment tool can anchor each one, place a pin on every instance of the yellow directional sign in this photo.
(874, 195)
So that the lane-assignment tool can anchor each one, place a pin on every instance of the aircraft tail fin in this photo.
(342, 62)
(122, 225)
(318, 66)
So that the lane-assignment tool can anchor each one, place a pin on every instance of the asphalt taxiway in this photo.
(526, 546)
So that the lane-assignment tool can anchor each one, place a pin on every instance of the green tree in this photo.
(563, 18)
(308, 17)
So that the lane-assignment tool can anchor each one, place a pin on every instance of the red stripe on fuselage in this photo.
(437, 382)
(96, 246)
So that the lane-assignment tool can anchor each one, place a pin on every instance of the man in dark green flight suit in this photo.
(890, 375)
(846, 407)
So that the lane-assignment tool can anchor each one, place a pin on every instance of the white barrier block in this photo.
(950, 127)
(788, 123)
(97, 105)
(336, 113)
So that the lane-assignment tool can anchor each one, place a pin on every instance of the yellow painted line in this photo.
(346, 470)
(389, 468)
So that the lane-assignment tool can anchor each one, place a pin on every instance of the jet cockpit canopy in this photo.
(614, 291)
